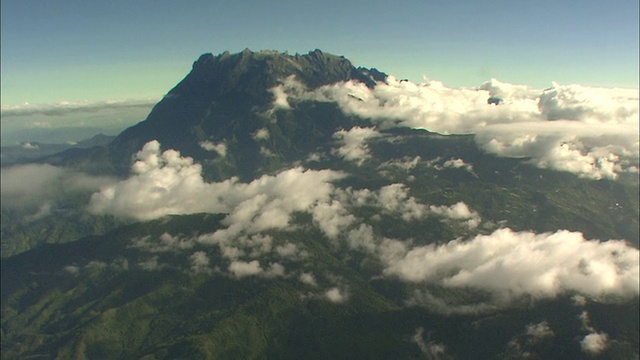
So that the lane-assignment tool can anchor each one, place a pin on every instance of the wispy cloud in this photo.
(353, 143)
(65, 108)
(41, 186)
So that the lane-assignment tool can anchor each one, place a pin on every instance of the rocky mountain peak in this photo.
(221, 99)
(267, 67)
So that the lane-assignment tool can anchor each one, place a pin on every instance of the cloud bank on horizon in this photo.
(70, 121)
(592, 132)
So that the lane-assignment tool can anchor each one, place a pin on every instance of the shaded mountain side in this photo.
(98, 298)
(225, 97)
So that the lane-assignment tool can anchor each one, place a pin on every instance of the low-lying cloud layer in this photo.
(164, 183)
(592, 132)
(37, 187)
(67, 107)
(510, 264)
(505, 264)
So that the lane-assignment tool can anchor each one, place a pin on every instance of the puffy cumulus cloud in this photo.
(539, 331)
(164, 183)
(599, 126)
(220, 148)
(291, 251)
(261, 134)
(362, 238)
(289, 87)
(395, 198)
(509, 92)
(391, 199)
(308, 278)
(39, 186)
(354, 143)
(458, 211)
(521, 346)
(588, 104)
(594, 343)
(332, 218)
(240, 269)
(29, 146)
(458, 164)
(200, 262)
(336, 296)
(590, 150)
(510, 264)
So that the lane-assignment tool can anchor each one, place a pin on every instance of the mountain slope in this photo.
(253, 215)
(225, 98)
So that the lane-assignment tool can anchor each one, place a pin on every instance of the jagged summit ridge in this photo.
(262, 70)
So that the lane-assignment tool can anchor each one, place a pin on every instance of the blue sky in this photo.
(94, 50)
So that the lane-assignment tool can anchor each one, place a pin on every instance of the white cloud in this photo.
(579, 300)
(308, 278)
(594, 343)
(510, 264)
(362, 238)
(37, 187)
(200, 262)
(29, 146)
(406, 163)
(335, 295)
(290, 251)
(354, 143)
(458, 211)
(431, 349)
(458, 164)
(599, 126)
(66, 107)
(166, 183)
(261, 134)
(240, 269)
(539, 331)
(220, 148)
(395, 198)
(332, 218)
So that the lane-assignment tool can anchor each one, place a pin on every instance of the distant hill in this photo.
(34, 150)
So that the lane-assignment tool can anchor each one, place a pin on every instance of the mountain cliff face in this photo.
(225, 97)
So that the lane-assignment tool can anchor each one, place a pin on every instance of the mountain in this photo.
(224, 98)
(263, 210)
